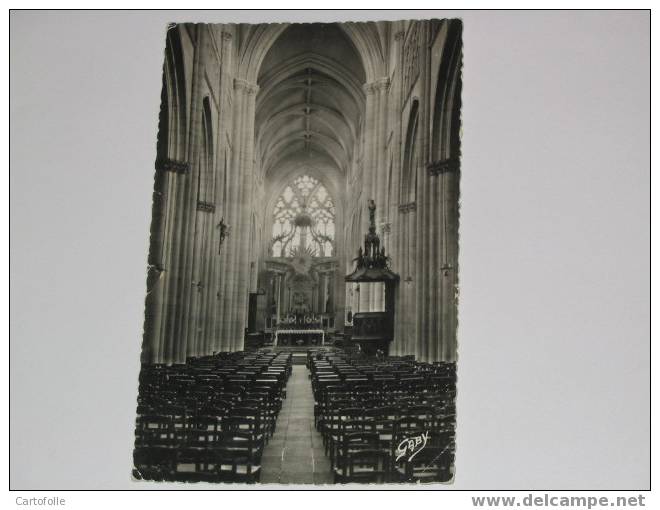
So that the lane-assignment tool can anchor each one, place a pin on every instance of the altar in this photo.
(300, 337)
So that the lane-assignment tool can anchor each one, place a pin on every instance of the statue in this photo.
(360, 258)
(383, 260)
(300, 302)
(371, 239)
(372, 215)
(225, 231)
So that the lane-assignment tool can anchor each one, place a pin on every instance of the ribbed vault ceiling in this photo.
(310, 102)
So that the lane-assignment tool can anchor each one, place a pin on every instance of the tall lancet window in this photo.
(304, 220)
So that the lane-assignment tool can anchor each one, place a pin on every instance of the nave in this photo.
(295, 454)
(302, 286)
(254, 417)
(306, 190)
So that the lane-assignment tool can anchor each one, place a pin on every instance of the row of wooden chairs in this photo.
(208, 420)
(232, 461)
(365, 462)
(368, 411)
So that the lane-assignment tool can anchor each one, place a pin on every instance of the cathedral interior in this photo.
(305, 212)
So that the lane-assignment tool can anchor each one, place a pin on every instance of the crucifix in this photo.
(225, 231)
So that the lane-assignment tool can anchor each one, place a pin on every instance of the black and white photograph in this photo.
(341, 258)
(302, 292)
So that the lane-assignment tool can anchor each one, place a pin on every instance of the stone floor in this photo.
(294, 455)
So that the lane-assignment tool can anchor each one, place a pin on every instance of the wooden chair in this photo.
(239, 460)
(346, 426)
(154, 463)
(246, 419)
(425, 413)
(407, 425)
(365, 466)
(428, 466)
(154, 430)
(353, 442)
(387, 431)
(329, 425)
(207, 428)
(196, 465)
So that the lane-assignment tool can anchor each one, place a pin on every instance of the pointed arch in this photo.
(255, 47)
(174, 72)
(445, 134)
(367, 42)
(206, 179)
(409, 174)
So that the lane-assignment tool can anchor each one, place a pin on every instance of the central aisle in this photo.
(295, 453)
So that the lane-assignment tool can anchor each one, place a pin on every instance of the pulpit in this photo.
(373, 331)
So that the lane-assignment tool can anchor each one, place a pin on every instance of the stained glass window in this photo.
(304, 219)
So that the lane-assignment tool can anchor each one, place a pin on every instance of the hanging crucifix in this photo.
(225, 231)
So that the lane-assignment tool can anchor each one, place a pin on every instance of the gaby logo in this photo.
(412, 446)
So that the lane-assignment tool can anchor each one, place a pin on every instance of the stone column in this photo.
(369, 160)
(175, 187)
(218, 253)
(450, 271)
(233, 204)
(381, 174)
(396, 217)
(369, 170)
(208, 294)
(177, 308)
(383, 88)
(244, 214)
(435, 297)
(189, 289)
(423, 199)
(338, 292)
(442, 255)
(445, 172)
(413, 273)
(453, 195)
(156, 274)
(177, 170)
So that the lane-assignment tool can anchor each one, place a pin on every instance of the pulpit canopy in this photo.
(372, 264)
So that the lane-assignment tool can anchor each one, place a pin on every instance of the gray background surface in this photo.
(555, 308)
